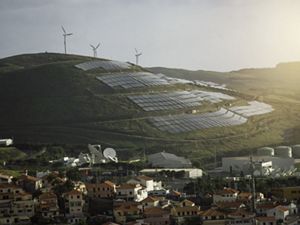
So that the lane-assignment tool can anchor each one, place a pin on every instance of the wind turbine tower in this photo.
(65, 34)
(95, 49)
(137, 55)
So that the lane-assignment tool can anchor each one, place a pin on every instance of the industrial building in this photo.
(191, 173)
(264, 164)
(168, 160)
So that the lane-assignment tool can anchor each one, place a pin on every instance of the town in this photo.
(168, 191)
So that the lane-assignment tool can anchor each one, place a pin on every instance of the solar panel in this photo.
(252, 109)
(191, 122)
(109, 65)
(176, 99)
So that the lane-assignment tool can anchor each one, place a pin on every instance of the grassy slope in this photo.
(46, 100)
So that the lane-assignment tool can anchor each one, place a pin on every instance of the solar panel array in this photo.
(177, 99)
(132, 80)
(254, 108)
(106, 65)
(191, 122)
(213, 97)
(166, 101)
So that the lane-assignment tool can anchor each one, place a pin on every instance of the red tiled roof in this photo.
(266, 219)
(73, 192)
(212, 212)
(150, 199)
(110, 183)
(155, 211)
(241, 213)
(235, 204)
(227, 191)
(47, 195)
(282, 208)
(270, 205)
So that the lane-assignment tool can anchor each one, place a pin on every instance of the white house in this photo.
(144, 181)
(225, 195)
(5, 179)
(133, 192)
(279, 212)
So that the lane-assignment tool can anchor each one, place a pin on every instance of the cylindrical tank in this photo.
(265, 151)
(283, 151)
(296, 151)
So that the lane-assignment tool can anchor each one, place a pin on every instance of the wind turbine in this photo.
(137, 55)
(65, 34)
(95, 49)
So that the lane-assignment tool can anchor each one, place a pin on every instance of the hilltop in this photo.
(47, 98)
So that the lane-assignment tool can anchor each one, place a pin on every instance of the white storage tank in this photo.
(265, 151)
(296, 151)
(283, 151)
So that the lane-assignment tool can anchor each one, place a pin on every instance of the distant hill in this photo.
(46, 99)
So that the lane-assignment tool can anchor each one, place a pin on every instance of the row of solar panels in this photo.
(176, 99)
(192, 122)
(138, 79)
(254, 108)
(110, 65)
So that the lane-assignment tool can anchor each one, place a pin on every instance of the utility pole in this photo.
(253, 205)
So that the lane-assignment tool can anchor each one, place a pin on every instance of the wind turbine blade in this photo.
(92, 46)
(69, 34)
(136, 51)
(63, 29)
(98, 45)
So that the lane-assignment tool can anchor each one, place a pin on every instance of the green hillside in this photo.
(47, 100)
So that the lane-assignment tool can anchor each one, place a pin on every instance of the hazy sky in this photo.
(193, 34)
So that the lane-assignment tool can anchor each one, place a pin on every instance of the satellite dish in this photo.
(109, 153)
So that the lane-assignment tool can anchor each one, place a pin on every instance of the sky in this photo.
(219, 35)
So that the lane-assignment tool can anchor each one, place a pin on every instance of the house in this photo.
(279, 212)
(47, 205)
(263, 207)
(29, 183)
(125, 211)
(144, 181)
(156, 216)
(244, 196)
(132, 192)
(266, 220)
(185, 208)
(16, 205)
(50, 180)
(73, 206)
(5, 178)
(106, 189)
(213, 216)
(149, 202)
(241, 217)
(225, 195)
